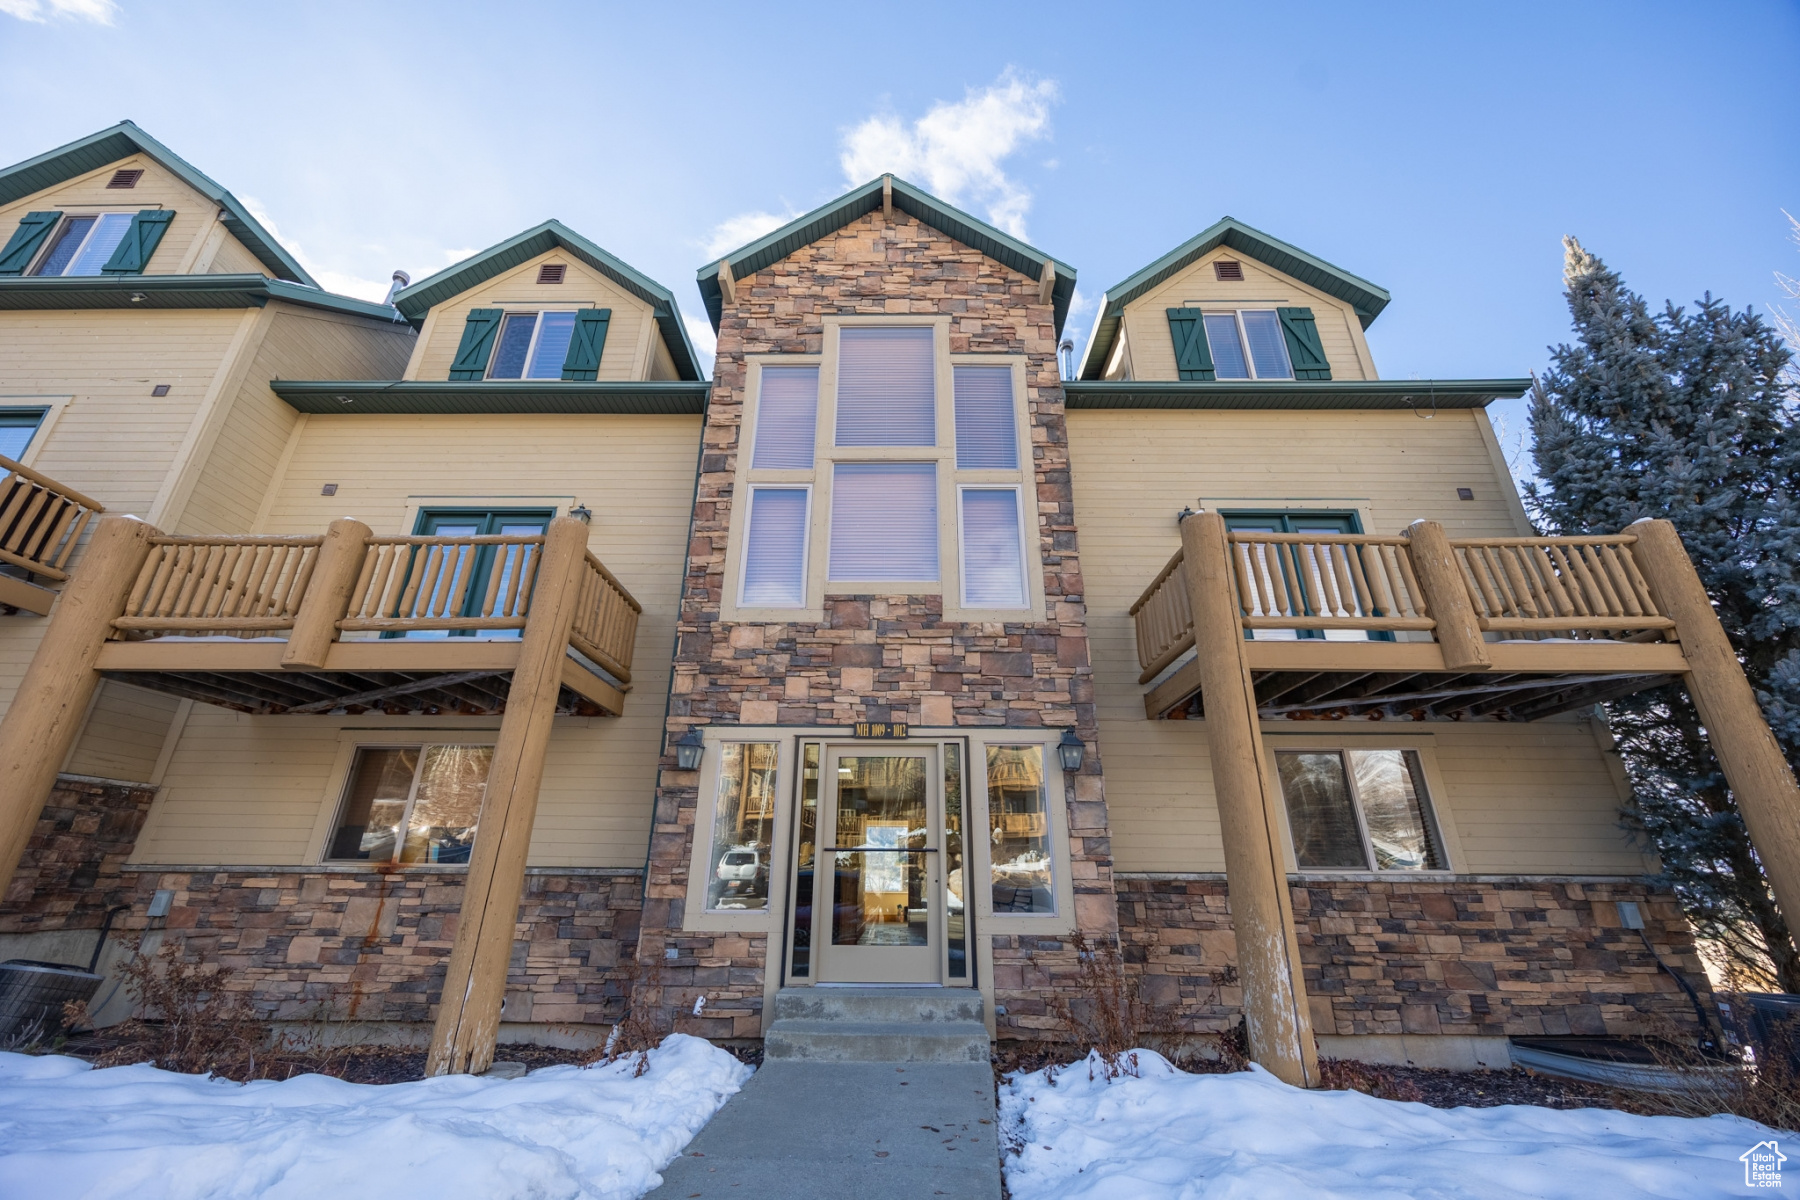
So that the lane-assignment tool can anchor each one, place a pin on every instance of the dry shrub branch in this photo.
(645, 1021)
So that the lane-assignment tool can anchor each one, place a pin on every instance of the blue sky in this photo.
(1438, 150)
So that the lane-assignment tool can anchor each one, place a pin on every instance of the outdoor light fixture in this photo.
(138, 297)
(1071, 749)
(688, 749)
(582, 513)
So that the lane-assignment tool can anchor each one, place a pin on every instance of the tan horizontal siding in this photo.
(124, 734)
(232, 258)
(582, 287)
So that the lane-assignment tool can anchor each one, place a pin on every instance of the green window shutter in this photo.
(139, 242)
(23, 245)
(477, 343)
(587, 343)
(1304, 349)
(1193, 358)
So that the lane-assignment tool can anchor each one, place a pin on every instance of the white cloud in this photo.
(743, 229)
(956, 149)
(344, 283)
(100, 12)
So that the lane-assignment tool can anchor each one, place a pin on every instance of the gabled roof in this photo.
(1366, 298)
(914, 202)
(415, 301)
(122, 141)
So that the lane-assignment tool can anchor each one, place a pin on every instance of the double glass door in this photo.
(884, 903)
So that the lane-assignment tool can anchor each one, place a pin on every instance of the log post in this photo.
(468, 1019)
(1447, 598)
(45, 717)
(1262, 911)
(327, 595)
(1755, 768)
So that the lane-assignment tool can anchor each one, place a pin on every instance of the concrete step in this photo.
(910, 1006)
(831, 1040)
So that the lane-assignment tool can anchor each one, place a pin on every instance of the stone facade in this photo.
(1480, 957)
(874, 657)
(70, 873)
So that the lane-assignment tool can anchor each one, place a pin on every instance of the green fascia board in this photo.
(95, 151)
(175, 291)
(1422, 396)
(915, 202)
(349, 397)
(1366, 298)
(417, 299)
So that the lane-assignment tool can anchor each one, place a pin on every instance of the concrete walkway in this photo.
(847, 1131)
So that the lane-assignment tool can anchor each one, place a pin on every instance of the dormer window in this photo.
(83, 243)
(532, 345)
(1247, 344)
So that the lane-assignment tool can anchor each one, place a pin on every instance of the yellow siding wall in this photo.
(182, 244)
(252, 789)
(125, 732)
(1145, 326)
(1522, 798)
(626, 356)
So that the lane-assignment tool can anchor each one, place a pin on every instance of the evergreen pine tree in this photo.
(1688, 416)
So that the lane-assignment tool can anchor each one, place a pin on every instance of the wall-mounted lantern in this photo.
(1070, 750)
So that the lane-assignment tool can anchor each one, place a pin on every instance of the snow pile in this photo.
(560, 1133)
(1169, 1134)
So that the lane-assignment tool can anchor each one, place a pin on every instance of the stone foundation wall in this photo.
(1483, 957)
(70, 873)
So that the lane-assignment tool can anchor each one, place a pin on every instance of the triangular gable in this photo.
(915, 202)
(1366, 298)
(420, 298)
(95, 151)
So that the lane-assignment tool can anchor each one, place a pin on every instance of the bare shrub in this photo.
(644, 1022)
(1107, 1016)
(187, 1019)
(1765, 1090)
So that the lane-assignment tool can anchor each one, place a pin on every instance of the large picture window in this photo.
(411, 804)
(1359, 810)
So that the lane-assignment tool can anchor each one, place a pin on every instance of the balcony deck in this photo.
(41, 521)
(1562, 623)
(429, 625)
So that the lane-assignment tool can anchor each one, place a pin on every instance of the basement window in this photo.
(1359, 810)
(411, 804)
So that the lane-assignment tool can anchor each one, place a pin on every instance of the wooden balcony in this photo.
(429, 625)
(41, 521)
(1345, 626)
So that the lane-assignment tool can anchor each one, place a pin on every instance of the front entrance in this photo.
(879, 895)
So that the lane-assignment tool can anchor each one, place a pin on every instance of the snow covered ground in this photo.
(1170, 1135)
(560, 1133)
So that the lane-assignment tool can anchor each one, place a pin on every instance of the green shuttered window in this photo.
(1188, 331)
(140, 241)
(477, 343)
(1304, 349)
(25, 241)
(588, 343)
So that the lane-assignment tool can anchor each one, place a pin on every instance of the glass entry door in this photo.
(881, 819)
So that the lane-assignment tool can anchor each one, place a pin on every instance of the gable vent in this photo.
(1228, 268)
(551, 272)
(126, 177)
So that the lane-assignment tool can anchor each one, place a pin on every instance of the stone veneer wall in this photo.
(70, 873)
(1487, 957)
(874, 657)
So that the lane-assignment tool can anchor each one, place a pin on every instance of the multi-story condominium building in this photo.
(471, 664)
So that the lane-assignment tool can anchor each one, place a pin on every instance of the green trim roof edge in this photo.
(176, 291)
(122, 141)
(915, 202)
(1422, 396)
(1366, 298)
(416, 299)
(353, 396)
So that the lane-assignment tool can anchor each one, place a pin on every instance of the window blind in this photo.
(555, 331)
(1263, 332)
(1227, 350)
(884, 522)
(986, 435)
(886, 388)
(787, 415)
(775, 553)
(993, 574)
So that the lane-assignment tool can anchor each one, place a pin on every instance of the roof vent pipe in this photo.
(1065, 358)
(401, 279)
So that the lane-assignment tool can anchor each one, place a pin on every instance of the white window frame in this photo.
(342, 776)
(1437, 807)
(950, 479)
(1237, 315)
(56, 230)
(806, 543)
(962, 550)
(537, 329)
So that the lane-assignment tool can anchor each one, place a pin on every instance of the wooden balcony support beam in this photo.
(23, 594)
(468, 1019)
(1262, 916)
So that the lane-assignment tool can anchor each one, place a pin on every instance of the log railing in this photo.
(255, 586)
(1520, 587)
(40, 520)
